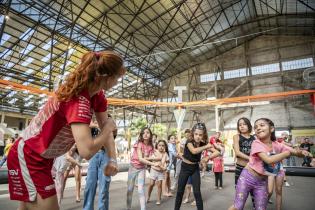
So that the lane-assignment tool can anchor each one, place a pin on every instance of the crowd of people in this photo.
(65, 131)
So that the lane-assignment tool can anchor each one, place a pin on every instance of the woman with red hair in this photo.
(63, 121)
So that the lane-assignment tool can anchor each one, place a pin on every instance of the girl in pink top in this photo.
(266, 154)
(157, 174)
(143, 148)
(218, 171)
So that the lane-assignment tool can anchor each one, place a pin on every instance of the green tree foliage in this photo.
(173, 131)
(137, 124)
(160, 130)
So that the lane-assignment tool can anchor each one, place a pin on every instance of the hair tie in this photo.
(97, 55)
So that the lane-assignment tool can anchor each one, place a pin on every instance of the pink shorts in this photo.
(29, 174)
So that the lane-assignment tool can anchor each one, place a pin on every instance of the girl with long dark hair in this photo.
(242, 143)
(190, 165)
(264, 160)
(143, 149)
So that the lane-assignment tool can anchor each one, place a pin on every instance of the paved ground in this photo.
(299, 196)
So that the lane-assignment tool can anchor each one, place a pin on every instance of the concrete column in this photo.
(217, 120)
(2, 117)
(26, 121)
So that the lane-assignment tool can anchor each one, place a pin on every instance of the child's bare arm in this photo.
(154, 157)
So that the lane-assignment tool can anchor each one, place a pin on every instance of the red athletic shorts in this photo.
(29, 174)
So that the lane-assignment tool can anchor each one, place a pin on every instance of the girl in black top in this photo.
(242, 143)
(190, 165)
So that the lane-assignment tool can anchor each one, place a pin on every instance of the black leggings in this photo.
(218, 178)
(186, 171)
(238, 171)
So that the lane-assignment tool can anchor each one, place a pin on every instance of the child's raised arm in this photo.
(274, 158)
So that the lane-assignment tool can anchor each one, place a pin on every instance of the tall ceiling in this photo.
(43, 40)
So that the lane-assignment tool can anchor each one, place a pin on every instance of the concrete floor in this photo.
(300, 195)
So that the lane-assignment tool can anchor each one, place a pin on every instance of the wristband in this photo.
(112, 160)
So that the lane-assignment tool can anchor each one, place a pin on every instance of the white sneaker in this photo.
(287, 184)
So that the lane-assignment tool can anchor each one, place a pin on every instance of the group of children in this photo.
(258, 157)
(64, 121)
(161, 156)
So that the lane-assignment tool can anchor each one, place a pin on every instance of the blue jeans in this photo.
(95, 175)
(290, 160)
(3, 160)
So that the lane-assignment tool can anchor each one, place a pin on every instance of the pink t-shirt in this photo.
(49, 133)
(218, 164)
(257, 146)
(147, 150)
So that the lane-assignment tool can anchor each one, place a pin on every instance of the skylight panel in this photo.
(10, 65)
(67, 64)
(5, 37)
(12, 101)
(28, 82)
(28, 49)
(8, 77)
(46, 58)
(155, 81)
(28, 61)
(27, 34)
(28, 98)
(28, 103)
(235, 73)
(12, 93)
(297, 64)
(209, 77)
(30, 71)
(112, 92)
(48, 44)
(46, 69)
(5, 53)
(46, 77)
(263, 69)
(70, 52)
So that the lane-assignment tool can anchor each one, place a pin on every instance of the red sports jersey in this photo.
(48, 136)
(49, 133)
